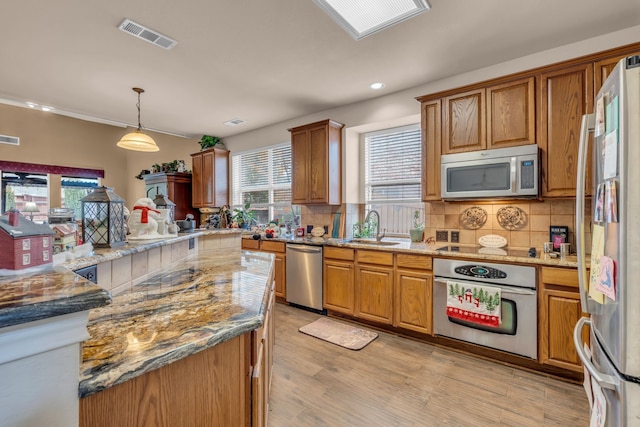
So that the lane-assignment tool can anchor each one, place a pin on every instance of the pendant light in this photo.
(138, 141)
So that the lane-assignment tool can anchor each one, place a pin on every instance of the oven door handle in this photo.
(507, 290)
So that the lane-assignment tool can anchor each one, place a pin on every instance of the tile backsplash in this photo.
(531, 231)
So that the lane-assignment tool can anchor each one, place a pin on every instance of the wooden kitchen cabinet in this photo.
(210, 178)
(177, 187)
(413, 293)
(603, 67)
(431, 149)
(339, 280)
(511, 114)
(316, 152)
(374, 286)
(496, 116)
(565, 95)
(464, 122)
(279, 250)
(558, 312)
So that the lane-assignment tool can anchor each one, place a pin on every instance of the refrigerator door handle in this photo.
(587, 126)
(604, 380)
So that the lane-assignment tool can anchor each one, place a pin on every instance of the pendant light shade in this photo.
(138, 140)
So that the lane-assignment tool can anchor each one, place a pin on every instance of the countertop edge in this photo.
(96, 297)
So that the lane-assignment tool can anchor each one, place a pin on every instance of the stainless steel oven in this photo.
(517, 331)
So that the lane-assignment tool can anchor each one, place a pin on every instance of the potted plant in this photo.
(418, 227)
(244, 217)
(208, 141)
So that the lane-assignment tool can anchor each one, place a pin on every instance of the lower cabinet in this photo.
(374, 286)
(279, 249)
(558, 312)
(339, 280)
(379, 286)
(413, 293)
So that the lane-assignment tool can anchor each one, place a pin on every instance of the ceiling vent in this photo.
(11, 140)
(234, 122)
(146, 34)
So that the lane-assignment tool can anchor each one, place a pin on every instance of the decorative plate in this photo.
(511, 217)
(492, 241)
(473, 218)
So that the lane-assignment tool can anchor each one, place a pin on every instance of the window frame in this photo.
(272, 207)
(404, 208)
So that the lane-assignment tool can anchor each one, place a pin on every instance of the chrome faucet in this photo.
(366, 220)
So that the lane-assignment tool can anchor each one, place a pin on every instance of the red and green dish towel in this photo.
(474, 303)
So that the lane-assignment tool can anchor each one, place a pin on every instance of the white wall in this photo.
(401, 108)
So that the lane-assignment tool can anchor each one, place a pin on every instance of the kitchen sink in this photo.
(374, 242)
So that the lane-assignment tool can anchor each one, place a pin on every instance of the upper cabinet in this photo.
(210, 178)
(316, 151)
(495, 116)
(464, 121)
(431, 148)
(511, 114)
(542, 106)
(565, 95)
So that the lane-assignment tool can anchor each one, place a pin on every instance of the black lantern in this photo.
(162, 202)
(103, 218)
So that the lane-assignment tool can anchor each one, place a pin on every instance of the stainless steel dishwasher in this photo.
(304, 275)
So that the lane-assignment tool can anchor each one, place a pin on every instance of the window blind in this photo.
(393, 167)
(263, 178)
(393, 176)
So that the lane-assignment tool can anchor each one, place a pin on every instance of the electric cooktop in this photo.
(488, 251)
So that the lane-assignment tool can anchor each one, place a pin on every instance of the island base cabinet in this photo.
(208, 388)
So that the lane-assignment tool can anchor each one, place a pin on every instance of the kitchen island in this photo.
(189, 339)
(181, 346)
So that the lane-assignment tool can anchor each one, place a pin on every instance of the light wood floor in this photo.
(395, 381)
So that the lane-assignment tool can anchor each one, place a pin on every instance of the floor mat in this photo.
(341, 334)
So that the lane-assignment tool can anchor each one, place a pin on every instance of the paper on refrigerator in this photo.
(597, 251)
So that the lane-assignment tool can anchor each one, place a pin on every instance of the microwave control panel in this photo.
(527, 174)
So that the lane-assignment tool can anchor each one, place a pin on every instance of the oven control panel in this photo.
(480, 271)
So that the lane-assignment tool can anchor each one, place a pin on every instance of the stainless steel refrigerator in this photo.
(610, 293)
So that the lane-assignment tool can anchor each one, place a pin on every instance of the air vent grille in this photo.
(234, 122)
(146, 34)
(11, 140)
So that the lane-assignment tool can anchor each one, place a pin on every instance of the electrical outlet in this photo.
(442, 236)
(455, 237)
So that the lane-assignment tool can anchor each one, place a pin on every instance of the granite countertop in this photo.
(401, 245)
(45, 293)
(407, 246)
(186, 307)
(107, 254)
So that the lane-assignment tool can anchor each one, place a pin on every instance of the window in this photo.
(392, 176)
(74, 189)
(263, 178)
(18, 188)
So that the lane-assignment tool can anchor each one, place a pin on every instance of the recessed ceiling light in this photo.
(234, 122)
(46, 108)
(361, 18)
(376, 86)
(31, 104)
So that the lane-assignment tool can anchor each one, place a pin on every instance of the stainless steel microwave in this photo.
(499, 173)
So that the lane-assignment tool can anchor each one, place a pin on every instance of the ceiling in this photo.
(262, 61)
